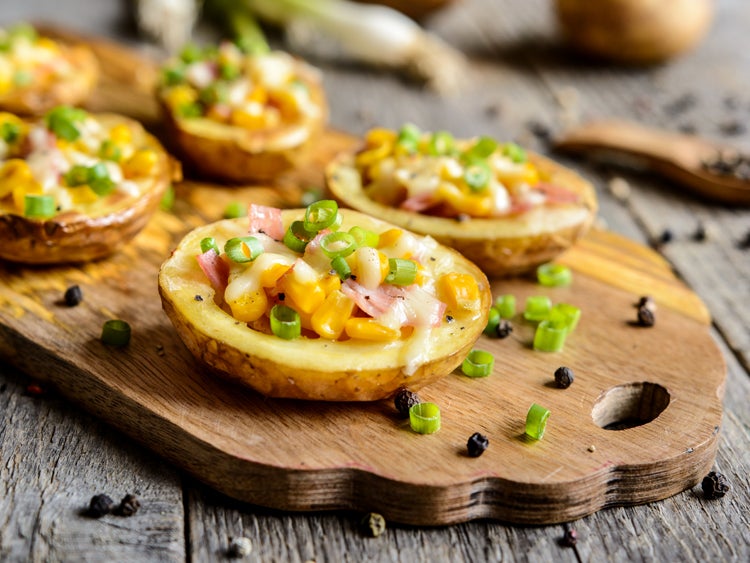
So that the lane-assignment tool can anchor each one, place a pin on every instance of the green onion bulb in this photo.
(424, 418)
(116, 333)
(536, 421)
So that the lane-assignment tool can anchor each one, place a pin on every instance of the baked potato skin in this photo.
(312, 369)
(75, 90)
(501, 246)
(74, 237)
(233, 154)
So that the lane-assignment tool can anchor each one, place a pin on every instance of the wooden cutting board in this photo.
(661, 386)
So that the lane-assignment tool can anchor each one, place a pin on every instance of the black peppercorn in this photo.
(100, 505)
(477, 444)
(666, 236)
(404, 401)
(73, 296)
(129, 505)
(373, 524)
(714, 485)
(504, 328)
(700, 234)
(240, 547)
(646, 301)
(646, 316)
(564, 377)
(570, 538)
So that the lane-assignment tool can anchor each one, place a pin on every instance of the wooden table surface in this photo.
(54, 456)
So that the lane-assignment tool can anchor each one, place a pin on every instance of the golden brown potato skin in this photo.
(233, 154)
(37, 100)
(501, 246)
(75, 237)
(306, 368)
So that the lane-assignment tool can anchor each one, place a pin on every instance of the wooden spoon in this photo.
(679, 157)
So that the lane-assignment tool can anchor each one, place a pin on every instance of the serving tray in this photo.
(640, 422)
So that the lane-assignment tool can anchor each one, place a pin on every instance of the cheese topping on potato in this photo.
(27, 59)
(70, 161)
(254, 92)
(435, 174)
(313, 280)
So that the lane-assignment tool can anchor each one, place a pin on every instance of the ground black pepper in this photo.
(198, 298)
(73, 296)
(405, 400)
(477, 444)
(646, 317)
(714, 485)
(504, 328)
(564, 377)
(725, 163)
(373, 524)
(100, 505)
(129, 505)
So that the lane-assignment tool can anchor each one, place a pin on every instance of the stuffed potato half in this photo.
(76, 186)
(242, 117)
(504, 208)
(38, 73)
(345, 367)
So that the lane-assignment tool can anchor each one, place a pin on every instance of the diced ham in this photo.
(215, 268)
(374, 302)
(556, 193)
(418, 202)
(398, 306)
(265, 219)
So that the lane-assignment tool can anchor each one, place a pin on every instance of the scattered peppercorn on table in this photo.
(482, 429)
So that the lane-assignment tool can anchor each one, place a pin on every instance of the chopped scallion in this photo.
(554, 275)
(285, 322)
(478, 364)
(506, 305)
(424, 418)
(483, 148)
(549, 338)
(338, 244)
(537, 308)
(77, 175)
(296, 236)
(209, 243)
(408, 137)
(116, 332)
(99, 180)
(514, 152)
(401, 271)
(321, 215)
(492, 322)
(110, 151)
(243, 249)
(235, 210)
(167, 200)
(441, 143)
(341, 267)
(565, 315)
(63, 120)
(477, 175)
(10, 132)
(39, 206)
(536, 421)
(364, 237)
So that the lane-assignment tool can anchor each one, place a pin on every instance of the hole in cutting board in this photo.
(630, 405)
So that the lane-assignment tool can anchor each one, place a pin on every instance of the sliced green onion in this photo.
(477, 175)
(173, 76)
(110, 151)
(99, 180)
(321, 215)
(554, 275)
(338, 244)
(478, 364)
(167, 200)
(9, 132)
(310, 196)
(189, 110)
(243, 249)
(424, 418)
(209, 243)
(401, 271)
(235, 210)
(116, 333)
(191, 53)
(341, 267)
(536, 421)
(285, 322)
(514, 152)
(364, 237)
(229, 71)
(23, 29)
(296, 236)
(506, 305)
(564, 315)
(549, 338)
(492, 322)
(77, 175)
(537, 308)
(62, 122)
(39, 206)
(408, 137)
(441, 143)
(215, 93)
(483, 148)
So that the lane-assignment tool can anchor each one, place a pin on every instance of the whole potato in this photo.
(634, 31)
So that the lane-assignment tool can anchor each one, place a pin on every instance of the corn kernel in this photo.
(369, 157)
(250, 117)
(259, 95)
(379, 136)
(459, 291)
(121, 134)
(389, 237)
(22, 189)
(365, 328)
(269, 277)
(179, 96)
(142, 163)
(14, 172)
(305, 297)
(83, 194)
(250, 306)
(330, 283)
(475, 205)
(385, 266)
(329, 319)
(286, 102)
(48, 44)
